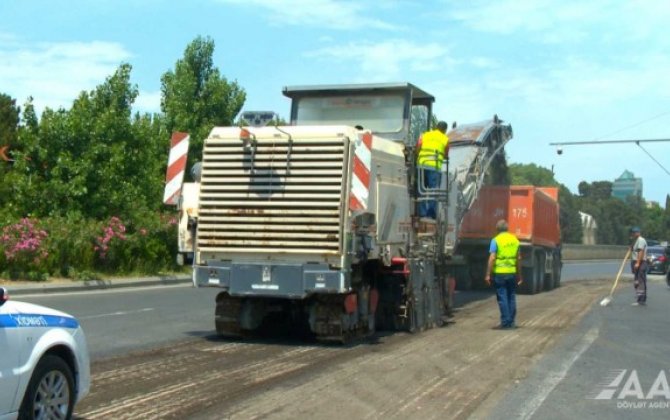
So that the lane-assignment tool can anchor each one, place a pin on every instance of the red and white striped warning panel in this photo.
(360, 180)
(176, 168)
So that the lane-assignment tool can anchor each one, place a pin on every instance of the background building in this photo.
(627, 185)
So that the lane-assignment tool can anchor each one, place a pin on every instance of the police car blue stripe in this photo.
(36, 321)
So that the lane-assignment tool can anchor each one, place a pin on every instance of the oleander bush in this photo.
(74, 247)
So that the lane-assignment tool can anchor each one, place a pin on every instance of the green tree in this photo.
(614, 218)
(596, 190)
(9, 127)
(93, 159)
(666, 219)
(23, 183)
(9, 120)
(122, 169)
(531, 174)
(148, 163)
(91, 147)
(570, 220)
(196, 98)
(653, 222)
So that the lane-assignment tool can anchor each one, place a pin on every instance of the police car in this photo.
(44, 362)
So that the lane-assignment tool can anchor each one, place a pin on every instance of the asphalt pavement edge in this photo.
(87, 285)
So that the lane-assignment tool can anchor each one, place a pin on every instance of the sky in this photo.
(557, 70)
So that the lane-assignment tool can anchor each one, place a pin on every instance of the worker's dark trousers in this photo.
(640, 281)
(431, 180)
(505, 285)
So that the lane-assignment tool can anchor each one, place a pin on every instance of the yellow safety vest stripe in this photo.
(506, 255)
(433, 146)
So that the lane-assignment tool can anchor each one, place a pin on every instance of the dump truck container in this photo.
(532, 214)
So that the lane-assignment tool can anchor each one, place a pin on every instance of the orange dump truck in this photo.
(533, 216)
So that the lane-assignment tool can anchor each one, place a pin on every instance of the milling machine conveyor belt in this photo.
(476, 157)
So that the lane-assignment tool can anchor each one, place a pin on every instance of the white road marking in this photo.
(119, 313)
(557, 375)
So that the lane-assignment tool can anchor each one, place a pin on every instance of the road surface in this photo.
(581, 270)
(604, 368)
(448, 370)
(123, 320)
(156, 356)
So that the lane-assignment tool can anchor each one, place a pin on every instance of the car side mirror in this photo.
(4, 296)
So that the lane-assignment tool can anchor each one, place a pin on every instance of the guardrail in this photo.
(593, 252)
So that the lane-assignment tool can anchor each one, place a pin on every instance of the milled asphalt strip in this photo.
(555, 377)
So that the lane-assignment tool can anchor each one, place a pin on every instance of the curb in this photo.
(89, 285)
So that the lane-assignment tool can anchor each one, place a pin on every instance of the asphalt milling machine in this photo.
(316, 222)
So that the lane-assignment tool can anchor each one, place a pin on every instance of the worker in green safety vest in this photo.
(505, 266)
(432, 147)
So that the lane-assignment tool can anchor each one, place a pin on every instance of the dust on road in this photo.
(443, 373)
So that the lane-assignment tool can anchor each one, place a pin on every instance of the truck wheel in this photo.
(556, 273)
(532, 280)
(527, 285)
(546, 280)
(477, 272)
(538, 272)
(50, 392)
(463, 278)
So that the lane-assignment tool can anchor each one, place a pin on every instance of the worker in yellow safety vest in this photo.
(433, 147)
(505, 266)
